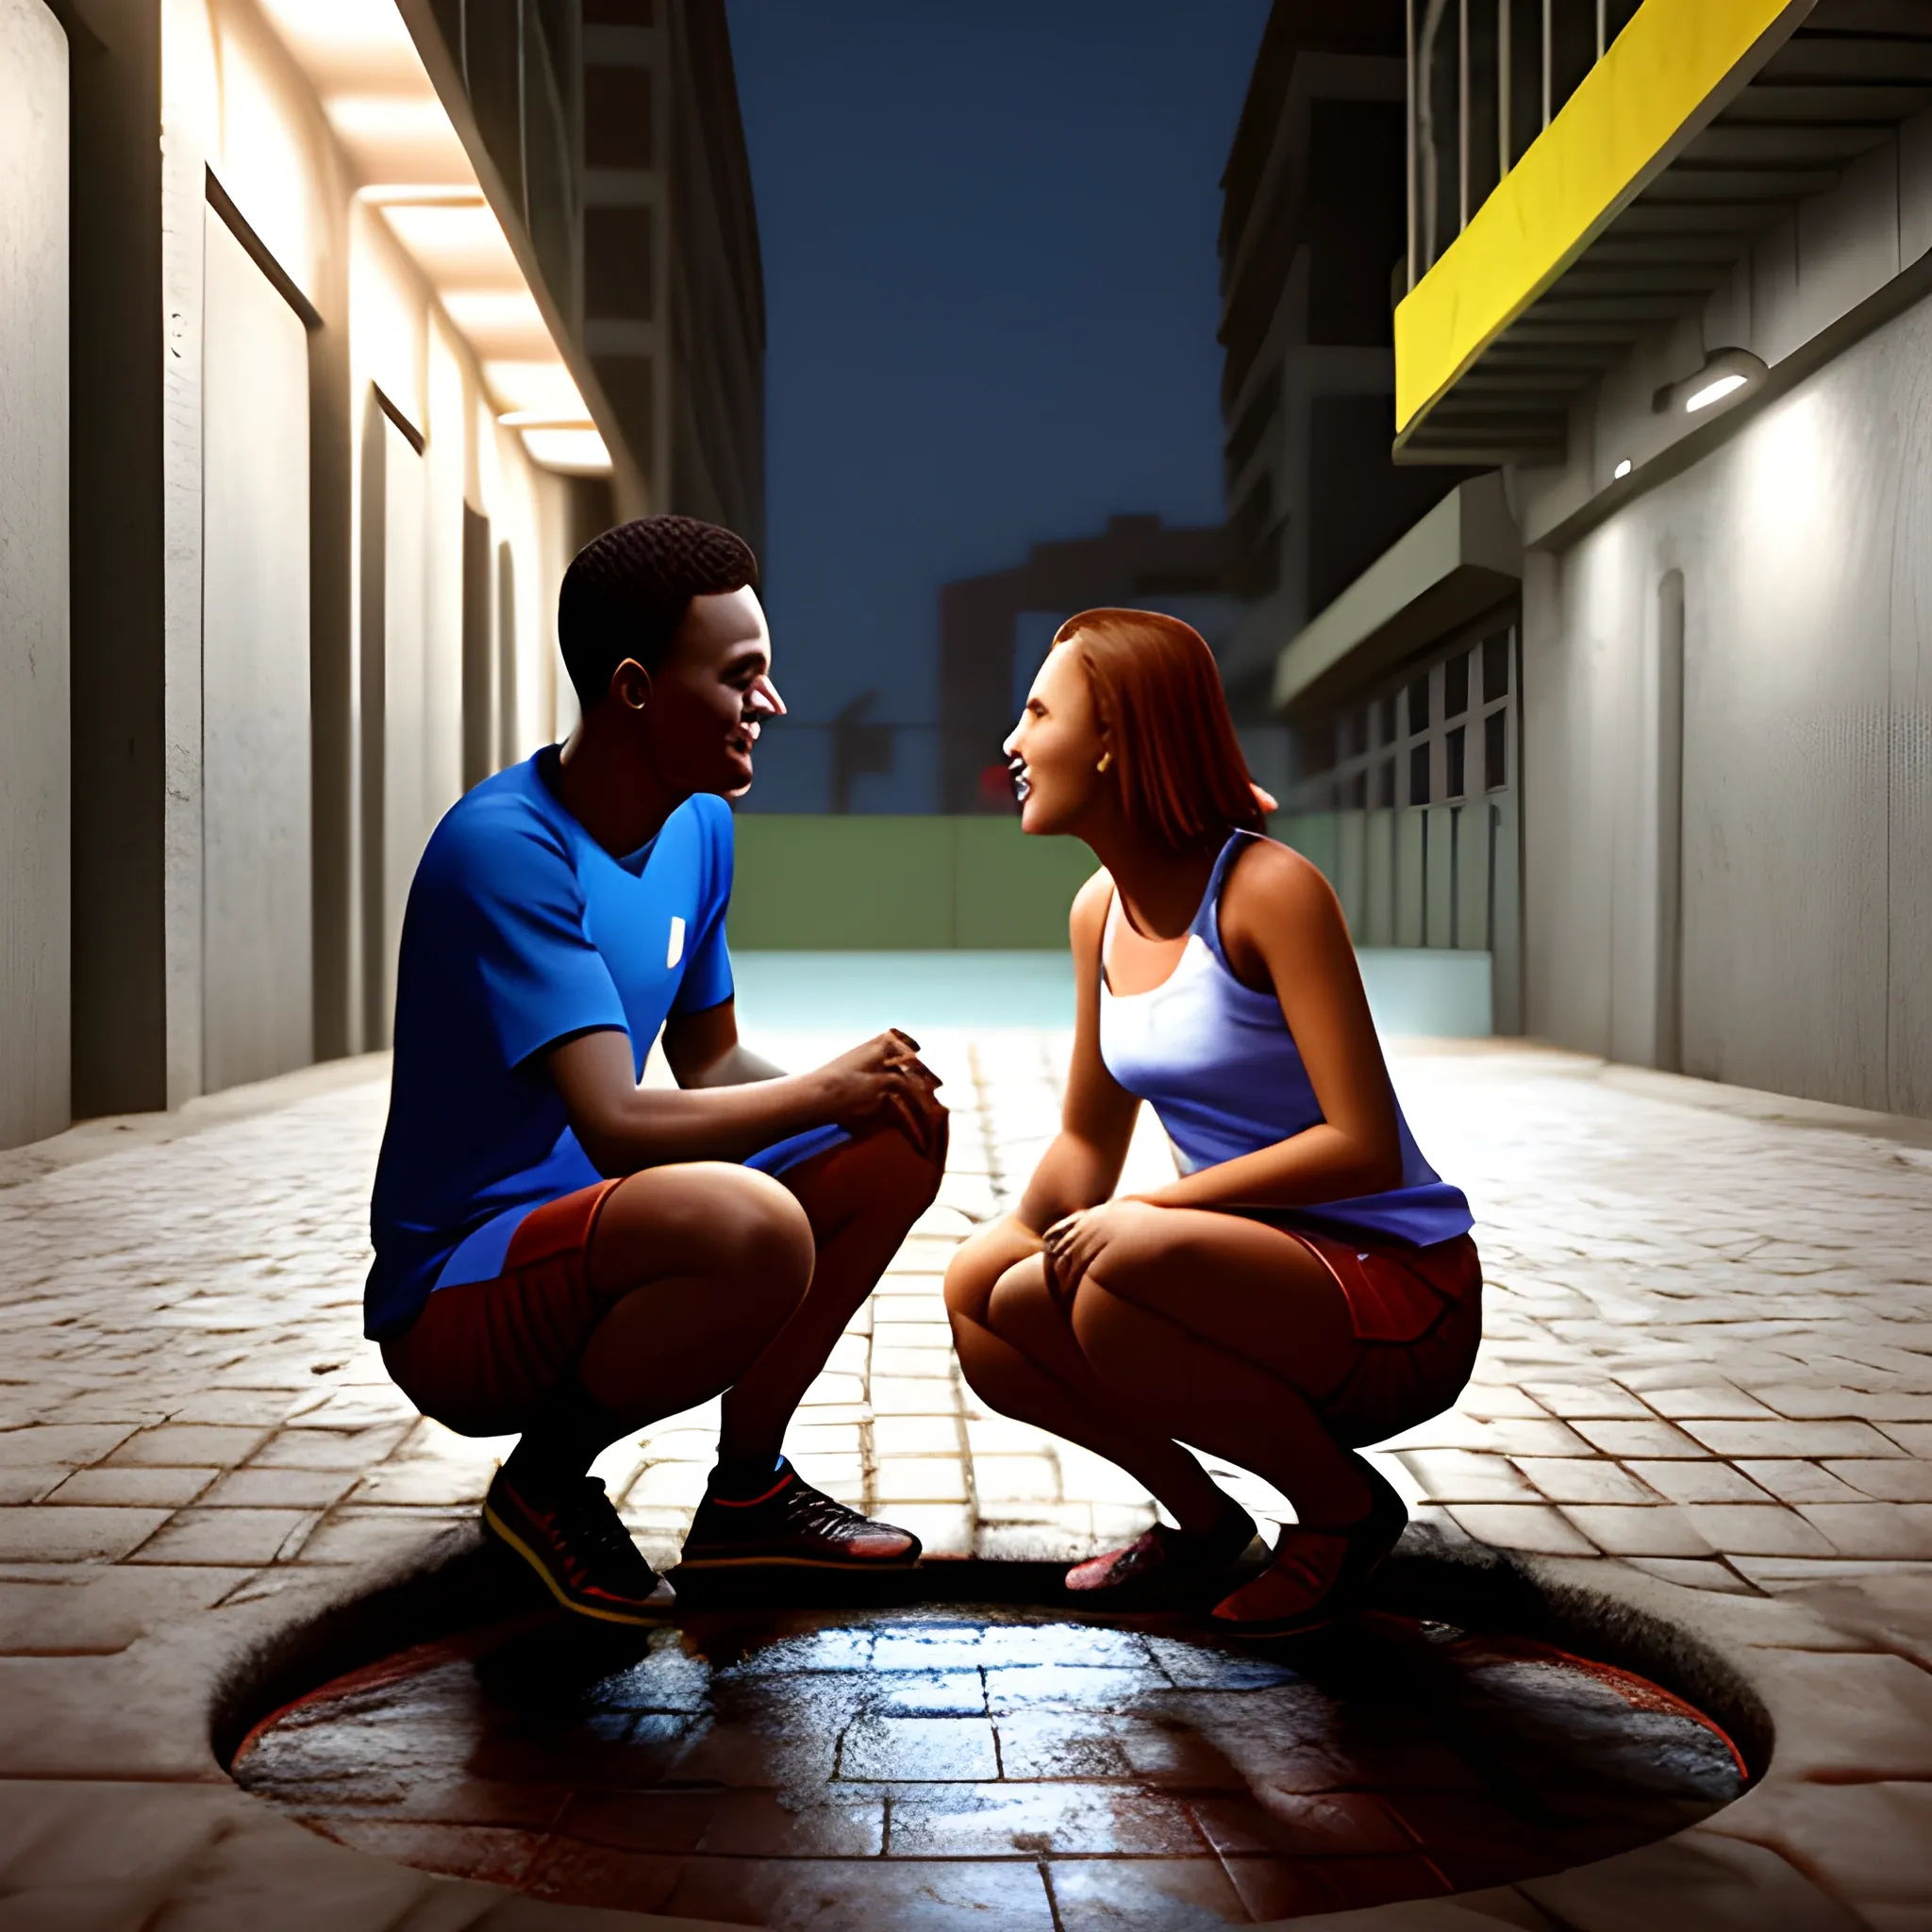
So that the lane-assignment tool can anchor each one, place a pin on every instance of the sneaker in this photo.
(792, 1524)
(579, 1547)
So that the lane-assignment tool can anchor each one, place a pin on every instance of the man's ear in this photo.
(631, 686)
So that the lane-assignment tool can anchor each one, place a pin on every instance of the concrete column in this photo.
(120, 1032)
(35, 924)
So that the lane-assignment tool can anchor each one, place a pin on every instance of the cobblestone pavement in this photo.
(1706, 1386)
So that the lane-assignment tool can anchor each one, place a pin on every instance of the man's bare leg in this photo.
(696, 1267)
(861, 1199)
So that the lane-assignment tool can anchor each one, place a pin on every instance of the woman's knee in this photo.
(1121, 1343)
(975, 1266)
(1020, 1307)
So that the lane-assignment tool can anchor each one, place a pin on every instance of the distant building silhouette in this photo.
(1135, 560)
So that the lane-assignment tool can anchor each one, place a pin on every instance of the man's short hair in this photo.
(626, 592)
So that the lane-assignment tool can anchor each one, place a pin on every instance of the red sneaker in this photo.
(791, 1525)
(1164, 1563)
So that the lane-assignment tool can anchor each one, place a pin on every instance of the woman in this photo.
(1307, 1284)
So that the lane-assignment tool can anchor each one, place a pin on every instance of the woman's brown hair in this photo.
(1154, 681)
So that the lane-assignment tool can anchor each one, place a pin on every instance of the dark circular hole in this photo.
(990, 1766)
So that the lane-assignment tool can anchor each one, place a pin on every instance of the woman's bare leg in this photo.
(1221, 1331)
(860, 1200)
(1019, 1352)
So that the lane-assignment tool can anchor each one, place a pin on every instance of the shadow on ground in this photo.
(974, 1758)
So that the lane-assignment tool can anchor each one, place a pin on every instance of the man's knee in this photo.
(766, 1236)
(898, 1175)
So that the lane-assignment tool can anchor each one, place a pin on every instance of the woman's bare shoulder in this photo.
(1271, 885)
(1089, 906)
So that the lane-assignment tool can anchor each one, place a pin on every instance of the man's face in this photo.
(711, 695)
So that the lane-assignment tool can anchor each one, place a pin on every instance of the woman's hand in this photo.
(1078, 1241)
(884, 1084)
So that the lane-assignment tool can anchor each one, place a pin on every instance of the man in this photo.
(559, 1252)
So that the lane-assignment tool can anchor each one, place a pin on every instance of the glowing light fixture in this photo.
(406, 160)
(388, 117)
(1713, 391)
(1621, 470)
(1725, 373)
(540, 388)
(576, 452)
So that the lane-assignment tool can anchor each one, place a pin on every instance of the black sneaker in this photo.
(792, 1525)
(580, 1548)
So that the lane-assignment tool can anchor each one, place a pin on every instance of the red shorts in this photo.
(1418, 1320)
(483, 1355)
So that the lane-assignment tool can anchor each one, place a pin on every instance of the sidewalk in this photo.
(1705, 1396)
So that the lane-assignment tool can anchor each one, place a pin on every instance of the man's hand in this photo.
(883, 1084)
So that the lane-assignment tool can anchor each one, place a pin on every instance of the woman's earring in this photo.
(1106, 760)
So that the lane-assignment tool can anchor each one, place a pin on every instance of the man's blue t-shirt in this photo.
(521, 931)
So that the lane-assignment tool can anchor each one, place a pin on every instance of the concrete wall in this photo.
(1805, 544)
(34, 753)
(257, 1000)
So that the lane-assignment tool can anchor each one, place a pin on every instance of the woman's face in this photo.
(1057, 744)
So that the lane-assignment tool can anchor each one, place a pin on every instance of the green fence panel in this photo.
(866, 883)
(1012, 891)
(861, 883)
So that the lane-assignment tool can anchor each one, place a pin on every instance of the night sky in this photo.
(991, 291)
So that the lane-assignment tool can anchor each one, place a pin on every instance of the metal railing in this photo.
(1485, 78)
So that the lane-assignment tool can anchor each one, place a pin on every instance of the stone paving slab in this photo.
(1705, 1393)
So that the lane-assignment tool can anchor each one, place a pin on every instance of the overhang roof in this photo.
(1582, 249)
(1462, 558)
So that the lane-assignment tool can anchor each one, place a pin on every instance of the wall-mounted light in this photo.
(1621, 470)
(1726, 372)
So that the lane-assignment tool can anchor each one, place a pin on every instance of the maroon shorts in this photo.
(1418, 1320)
(483, 1355)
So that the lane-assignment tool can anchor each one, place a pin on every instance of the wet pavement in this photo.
(942, 1768)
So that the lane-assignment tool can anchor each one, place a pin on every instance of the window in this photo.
(1496, 667)
(1383, 755)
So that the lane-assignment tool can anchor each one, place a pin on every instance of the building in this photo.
(311, 378)
(1369, 753)
(1668, 269)
(1312, 227)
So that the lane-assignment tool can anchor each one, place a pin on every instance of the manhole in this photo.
(932, 1770)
